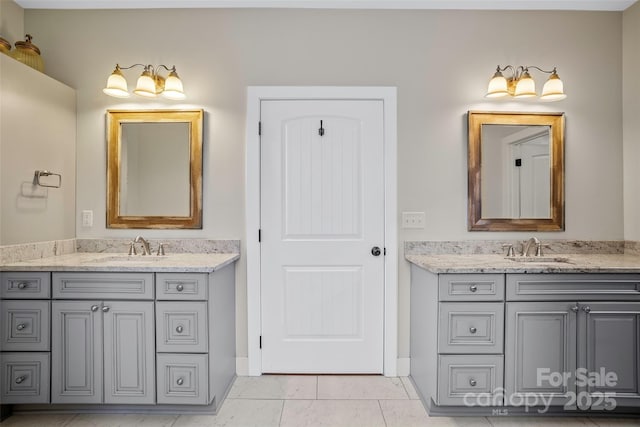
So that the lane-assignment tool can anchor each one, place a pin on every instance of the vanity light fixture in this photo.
(150, 84)
(521, 85)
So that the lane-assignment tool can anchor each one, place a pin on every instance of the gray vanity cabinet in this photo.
(540, 340)
(24, 337)
(578, 325)
(611, 340)
(103, 350)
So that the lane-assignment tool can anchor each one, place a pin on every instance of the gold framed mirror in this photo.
(154, 169)
(516, 171)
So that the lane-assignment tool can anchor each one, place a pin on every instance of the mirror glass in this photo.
(154, 169)
(516, 171)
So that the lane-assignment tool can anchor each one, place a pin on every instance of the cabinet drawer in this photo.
(471, 287)
(181, 327)
(183, 379)
(103, 285)
(24, 378)
(181, 286)
(572, 287)
(25, 285)
(25, 325)
(471, 327)
(462, 378)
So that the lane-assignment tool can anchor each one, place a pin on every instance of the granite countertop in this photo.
(87, 261)
(574, 263)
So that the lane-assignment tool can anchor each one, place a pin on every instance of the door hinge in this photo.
(259, 235)
(384, 251)
(260, 341)
(518, 163)
(259, 128)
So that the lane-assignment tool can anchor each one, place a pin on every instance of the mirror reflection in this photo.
(516, 171)
(515, 176)
(154, 169)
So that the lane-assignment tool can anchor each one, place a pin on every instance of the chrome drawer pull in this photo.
(473, 288)
(94, 308)
(180, 287)
(105, 308)
(472, 382)
(179, 329)
(20, 380)
(473, 330)
(180, 381)
(22, 285)
(20, 326)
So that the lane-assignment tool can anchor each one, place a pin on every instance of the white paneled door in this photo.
(322, 236)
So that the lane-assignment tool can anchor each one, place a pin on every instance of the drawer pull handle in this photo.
(105, 308)
(179, 329)
(94, 308)
(180, 381)
(22, 285)
(20, 326)
(473, 288)
(180, 287)
(472, 382)
(586, 309)
(473, 330)
(20, 379)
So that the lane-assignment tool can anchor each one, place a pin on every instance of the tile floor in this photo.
(312, 401)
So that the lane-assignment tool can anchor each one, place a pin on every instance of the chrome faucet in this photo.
(527, 245)
(146, 248)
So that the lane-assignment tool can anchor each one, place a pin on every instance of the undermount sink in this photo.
(132, 258)
(538, 259)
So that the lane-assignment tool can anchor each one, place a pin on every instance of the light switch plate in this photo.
(413, 219)
(87, 218)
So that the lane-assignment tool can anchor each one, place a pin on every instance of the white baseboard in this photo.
(242, 366)
(404, 366)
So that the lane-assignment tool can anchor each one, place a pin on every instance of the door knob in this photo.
(375, 251)
(105, 309)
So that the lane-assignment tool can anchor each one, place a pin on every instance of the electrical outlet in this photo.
(87, 218)
(413, 219)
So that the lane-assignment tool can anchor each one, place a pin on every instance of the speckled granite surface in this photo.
(174, 246)
(490, 263)
(14, 253)
(85, 261)
(496, 247)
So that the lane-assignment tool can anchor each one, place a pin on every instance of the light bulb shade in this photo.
(117, 85)
(146, 85)
(526, 87)
(553, 89)
(497, 86)
(173, 87)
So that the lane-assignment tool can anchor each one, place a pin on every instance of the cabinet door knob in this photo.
(473, 330)
(94, 308)
(179, 329)
(20, 326)
(473, 288)
(586, 309)
(472, 382)
(180, 287)
(105, 308)
(180, 381)
(22, 285)
(575, 308)
(20, 379)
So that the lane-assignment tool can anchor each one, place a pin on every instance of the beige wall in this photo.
(11, 22)
(440, 61)
(631, 122)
